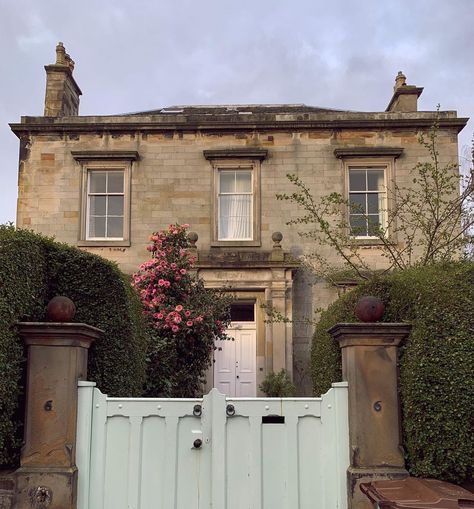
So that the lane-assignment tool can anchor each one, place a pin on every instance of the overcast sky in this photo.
(137, 55)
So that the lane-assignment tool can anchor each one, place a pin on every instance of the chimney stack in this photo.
(405, 97)
(62, 91)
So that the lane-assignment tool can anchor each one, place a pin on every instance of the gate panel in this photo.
(154, 464)
(310, 466)
(238, 462)
(255, 453)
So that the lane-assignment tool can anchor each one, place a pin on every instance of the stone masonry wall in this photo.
(172, 182)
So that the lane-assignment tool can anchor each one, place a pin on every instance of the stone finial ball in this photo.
(193, 237)
(60, 309)
(277, 236)
(369, 309)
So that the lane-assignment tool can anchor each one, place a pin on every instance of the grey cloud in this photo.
(138, 55)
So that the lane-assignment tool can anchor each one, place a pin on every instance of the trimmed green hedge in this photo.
(23, 292)
(33, 269)
(436, 362)
(104, 298)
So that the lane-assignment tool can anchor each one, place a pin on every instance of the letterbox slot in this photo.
(273, 419)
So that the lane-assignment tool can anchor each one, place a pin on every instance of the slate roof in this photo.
(233, 109)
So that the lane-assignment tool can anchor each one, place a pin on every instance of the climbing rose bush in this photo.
(185, 317)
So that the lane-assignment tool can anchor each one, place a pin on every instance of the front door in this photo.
(235, 372)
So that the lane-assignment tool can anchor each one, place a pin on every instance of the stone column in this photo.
(57, 359)
(369, 364)
(278, 292)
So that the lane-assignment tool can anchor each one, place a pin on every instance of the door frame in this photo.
(240, 325)
(261, 340)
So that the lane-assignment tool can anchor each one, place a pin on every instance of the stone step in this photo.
(7, 489)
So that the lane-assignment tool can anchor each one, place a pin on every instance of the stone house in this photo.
(104, 183)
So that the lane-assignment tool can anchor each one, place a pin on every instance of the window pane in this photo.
(115, 206)
(227, 181)
(97, 205)
(375, 180)
(235, 217)
(115, 182)
(374, 224)
(373, 200)
(358, 226)
(97, 181)
(242, 312)
(357, 204)
(115, 227)
(357, 180)
(96, 226)
(243, 182)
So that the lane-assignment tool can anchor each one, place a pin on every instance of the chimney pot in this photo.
(400, 80)
(60, 54)
(62, 92)
(405, 97)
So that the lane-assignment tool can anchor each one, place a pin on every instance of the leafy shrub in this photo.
(278, 385)
(104, 298)
(33, 269)
(23, 287)
(187, 318)
(436, 362)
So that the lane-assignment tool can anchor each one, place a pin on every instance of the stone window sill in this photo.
(236, 243)
(103, 243)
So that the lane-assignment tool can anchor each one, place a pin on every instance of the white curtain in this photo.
(235, 216)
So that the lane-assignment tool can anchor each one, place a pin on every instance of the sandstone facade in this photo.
(170, 157)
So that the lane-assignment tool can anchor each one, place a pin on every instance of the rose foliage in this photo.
(186, 317)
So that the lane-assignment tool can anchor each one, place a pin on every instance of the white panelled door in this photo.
(235, 373)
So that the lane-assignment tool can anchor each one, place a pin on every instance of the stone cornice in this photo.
(368, 152)
(369, 334)
(58, 333)
(235, 153)
(109, 155)
(247, 123)
(234, 259)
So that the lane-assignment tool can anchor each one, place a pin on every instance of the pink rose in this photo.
(175, 328)
(187, 314)
(183, 271)
(189, 323)
(179, 307)
(199, 319)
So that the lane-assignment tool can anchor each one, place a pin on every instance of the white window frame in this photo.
(387, 164)
(104, 161)
(253, 166)
(89, 194)
(220, 172)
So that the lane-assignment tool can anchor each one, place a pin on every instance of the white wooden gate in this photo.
(214, 452)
